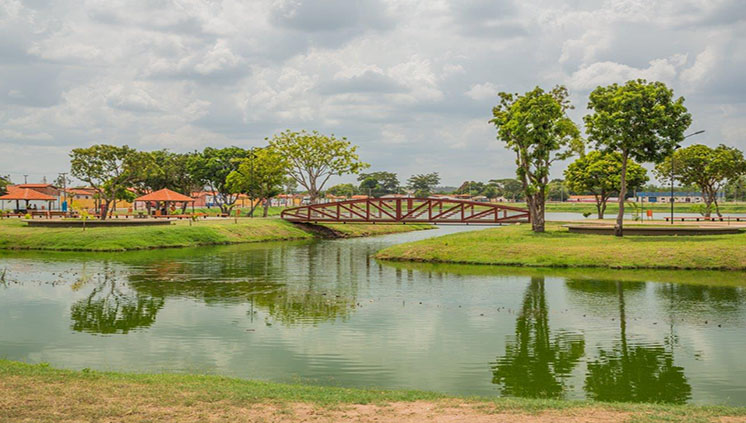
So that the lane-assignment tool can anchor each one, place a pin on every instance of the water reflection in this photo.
(635, 373)
(112, 307)
(537, 363)
(336, 316)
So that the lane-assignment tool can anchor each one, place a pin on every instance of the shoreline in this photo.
(517, 246)
(41, 392)
(17, 236)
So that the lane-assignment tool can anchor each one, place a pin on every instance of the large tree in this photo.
(424, 184)
(640, 120)
(599, 173)
(211, 168)
(110, 170)
(536, 127)
(315, 157)
(710, 169)
(261, 176)
(377, 184)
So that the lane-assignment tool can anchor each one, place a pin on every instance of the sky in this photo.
(411, 82)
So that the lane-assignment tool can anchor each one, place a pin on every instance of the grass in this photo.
(41, 393)
(612, 208)
(14, 234)
(518, 246)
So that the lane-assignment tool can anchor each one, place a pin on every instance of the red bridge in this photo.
(407, 210)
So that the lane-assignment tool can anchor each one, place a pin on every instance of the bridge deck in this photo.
(407, 210)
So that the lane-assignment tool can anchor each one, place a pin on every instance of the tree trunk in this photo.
(536, 209)
(104, 209)
(717, 206)
(619, 227)
(266, 207)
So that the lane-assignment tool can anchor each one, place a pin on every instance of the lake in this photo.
(325, 312)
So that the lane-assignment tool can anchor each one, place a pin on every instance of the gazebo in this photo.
(166, 196)
(27, 194)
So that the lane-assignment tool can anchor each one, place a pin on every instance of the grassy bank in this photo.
(613, 208)
(40, 393)
(14, 234)
(517, 245)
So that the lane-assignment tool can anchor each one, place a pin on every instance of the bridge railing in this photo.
(407, 210)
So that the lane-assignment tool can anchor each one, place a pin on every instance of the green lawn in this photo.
(41, 393)
(14, 234)
(613, 208)
(517, 245)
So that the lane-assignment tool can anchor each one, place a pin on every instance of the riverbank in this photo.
(15, 235)
(41, 393)
(517, 246)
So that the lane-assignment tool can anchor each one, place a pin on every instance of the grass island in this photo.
(517, 246)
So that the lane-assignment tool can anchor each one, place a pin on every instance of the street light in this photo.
(672, 172)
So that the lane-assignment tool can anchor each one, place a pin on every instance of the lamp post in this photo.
(673, 154)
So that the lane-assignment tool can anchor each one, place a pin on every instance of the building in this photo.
(679, 197)
(588, 199)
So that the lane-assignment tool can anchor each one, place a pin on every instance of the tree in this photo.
(211, 168)
(536, 127)
(314, 158)
(377, 184)
(423, 184)
(343, 190)
(557, 190)
(169, 170)
(736, 189)
(260, 176)
(509, 188)
(710, 169)
(599, 173)
(4, 182)
(110, 170)
(639, 120)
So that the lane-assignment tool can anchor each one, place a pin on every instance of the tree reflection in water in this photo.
(537, 363)
(632, 373)
(257, 277)
(112, 307)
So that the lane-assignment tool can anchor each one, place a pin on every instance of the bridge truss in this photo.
(407, 210)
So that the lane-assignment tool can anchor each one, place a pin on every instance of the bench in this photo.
(707, 219)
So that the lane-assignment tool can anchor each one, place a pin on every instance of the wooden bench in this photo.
(707, 219)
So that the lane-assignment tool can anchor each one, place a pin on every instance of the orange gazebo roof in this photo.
(26, 194)
(165, 194)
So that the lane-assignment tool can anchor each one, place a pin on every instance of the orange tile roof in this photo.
(26, 194)
(165, 194)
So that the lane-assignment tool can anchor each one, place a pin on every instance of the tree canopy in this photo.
(211, 168)
(599, 173)
(110, 170)
(260, 176)
(710, 169)
(4, 182)
(423, 184)
(377, 184)
(640, 120)
(315, 157)
(535, 126)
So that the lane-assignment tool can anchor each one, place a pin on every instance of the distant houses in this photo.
(679, 197)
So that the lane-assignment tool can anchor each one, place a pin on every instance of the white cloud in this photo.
(419, 77)
(483, 91)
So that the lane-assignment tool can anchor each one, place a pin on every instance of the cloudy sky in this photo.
(412, 82)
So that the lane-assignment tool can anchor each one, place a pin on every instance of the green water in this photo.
(325, 312)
